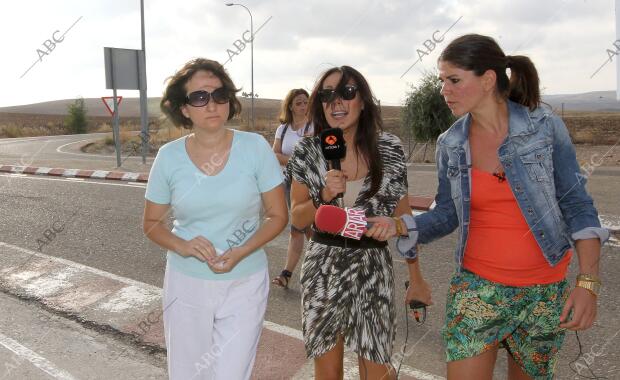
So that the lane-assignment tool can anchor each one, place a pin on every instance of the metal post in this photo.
(251, 56)
(252, 65)
(116, 129)
(615, 44)
(144, 117)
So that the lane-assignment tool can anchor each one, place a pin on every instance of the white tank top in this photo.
(353, 190)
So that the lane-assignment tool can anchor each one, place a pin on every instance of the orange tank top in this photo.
(500, 246)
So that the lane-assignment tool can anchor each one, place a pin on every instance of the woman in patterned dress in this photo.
(348, 285)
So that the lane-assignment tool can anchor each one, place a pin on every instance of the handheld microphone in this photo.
(347, 222)
(333, 147)
(416, 306)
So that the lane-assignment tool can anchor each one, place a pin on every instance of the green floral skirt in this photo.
(481, 314)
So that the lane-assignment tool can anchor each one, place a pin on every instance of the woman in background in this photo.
(294, 125)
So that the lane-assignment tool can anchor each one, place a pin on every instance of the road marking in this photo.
(137, 296)
(59, 150)
(73, 180)
(112, 276)
(34, 358)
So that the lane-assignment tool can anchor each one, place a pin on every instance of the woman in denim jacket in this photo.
(510, 182)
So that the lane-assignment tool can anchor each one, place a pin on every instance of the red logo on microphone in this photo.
(331, 139)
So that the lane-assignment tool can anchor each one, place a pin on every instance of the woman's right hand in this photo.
(198, 247)
(335, 183)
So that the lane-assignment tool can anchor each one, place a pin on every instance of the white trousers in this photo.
(212, 328)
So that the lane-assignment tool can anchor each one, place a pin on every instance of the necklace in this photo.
(299, 130)
(499, 173)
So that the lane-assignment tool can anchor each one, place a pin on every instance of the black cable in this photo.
(402, 358)
(414, 305)
(579, 355)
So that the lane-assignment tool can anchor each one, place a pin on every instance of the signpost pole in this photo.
(143, 94)
(116, 130)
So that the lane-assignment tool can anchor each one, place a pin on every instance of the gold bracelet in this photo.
(588, 277)
(399, 227)
(593, 287)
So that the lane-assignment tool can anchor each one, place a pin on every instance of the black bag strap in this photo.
(283, 132)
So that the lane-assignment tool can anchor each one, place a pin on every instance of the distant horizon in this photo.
(56, 53)
(275, 99)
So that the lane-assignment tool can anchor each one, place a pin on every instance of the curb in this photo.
(76, 173)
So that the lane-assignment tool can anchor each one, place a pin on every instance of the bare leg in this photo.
(479, 367)
(329, 365)
(514, 370)
(371, 370)
(295, 247)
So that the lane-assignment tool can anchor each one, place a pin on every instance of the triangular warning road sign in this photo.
(109, 103)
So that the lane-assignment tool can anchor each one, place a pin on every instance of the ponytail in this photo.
(477, 53)
(524, 83)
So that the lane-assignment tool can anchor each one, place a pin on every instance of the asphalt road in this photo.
(103, 230)
(63, 152)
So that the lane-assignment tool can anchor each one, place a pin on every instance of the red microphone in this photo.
(347, 222)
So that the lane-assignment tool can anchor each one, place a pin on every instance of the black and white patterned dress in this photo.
(347, 291)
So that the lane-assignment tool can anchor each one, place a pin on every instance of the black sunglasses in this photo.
(327, 95)
(201, 98)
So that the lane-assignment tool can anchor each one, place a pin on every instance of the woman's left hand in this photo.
(583, 305)
(226, 262)
(382, 229)
(419, 291)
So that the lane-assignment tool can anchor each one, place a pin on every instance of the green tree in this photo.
(425, 114)
(76, 119)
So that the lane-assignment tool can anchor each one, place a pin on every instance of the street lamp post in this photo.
(251, 56)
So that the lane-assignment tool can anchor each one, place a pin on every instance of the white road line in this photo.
(72, 180)
(44, 138)
(59, 150)
(112, 276)
(285, 330)
(288, 331)
(34, 358)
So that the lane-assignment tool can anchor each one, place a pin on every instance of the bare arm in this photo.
(277, 149)
(418, 288)
(155, 228)
(276, 218)
(581, 301)
(302, 208)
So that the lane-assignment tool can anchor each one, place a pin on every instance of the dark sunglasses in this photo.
(348, 92)
(201, 98)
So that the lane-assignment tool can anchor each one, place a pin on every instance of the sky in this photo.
(567, 40)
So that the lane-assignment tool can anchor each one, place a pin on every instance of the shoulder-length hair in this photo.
(175, 93)
(286, 113)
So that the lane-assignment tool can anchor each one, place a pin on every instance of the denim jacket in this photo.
(539, 160)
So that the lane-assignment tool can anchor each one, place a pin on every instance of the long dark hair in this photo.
(477, 53)
(369, 126)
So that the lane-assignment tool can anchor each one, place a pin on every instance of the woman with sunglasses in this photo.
(510, 182)
(294, 125)
(215, 181)
(348, 285)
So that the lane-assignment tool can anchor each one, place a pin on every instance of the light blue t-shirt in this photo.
(224, 208)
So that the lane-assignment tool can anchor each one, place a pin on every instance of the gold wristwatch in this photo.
(590, 282)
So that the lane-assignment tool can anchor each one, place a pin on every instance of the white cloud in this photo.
(566, 39)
